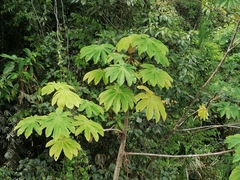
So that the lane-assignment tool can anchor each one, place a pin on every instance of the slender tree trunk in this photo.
(121, 150)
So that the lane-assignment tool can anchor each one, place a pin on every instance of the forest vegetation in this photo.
(120, 89)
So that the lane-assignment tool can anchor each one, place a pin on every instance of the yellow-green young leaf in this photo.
(235, 175)
(69, 147)
(88, 126)
(51, 86)
(64, 97)
(58, 123)
(121, 72)
(117, 97)
(90, 108)
(98, 53)
(203, 112)
(28, 124)
(95, 75)
(155, 76)
(152, 103)
(126, 42)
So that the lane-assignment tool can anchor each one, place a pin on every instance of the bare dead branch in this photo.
(211, 127)
(178, 156)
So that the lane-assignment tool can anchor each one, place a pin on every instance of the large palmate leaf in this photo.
(89, 127)
(153, 48)
(51, 86)
(152, 104)
(95, 75)
(64, 96)
(28, 124)
(69, 147)
(235, 175)
(229, 110)
(126, 42)
(67, 98)
(96, 52)
(117, 97)
(121, 72)
(233, 141)
(90, 108)
(117, 57)
(155, 76)
(58, 123)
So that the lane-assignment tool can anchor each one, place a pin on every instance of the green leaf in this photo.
(67, 98)
(58, 123)
(95, 75)
(126, 42)
(96, 52)
(28, 124)
(233, 141)
(69, 146)
(89, 127)
(117, 58)
(227, 3)
(90, 108)
(153, 48)
(51, 86)
(228, 109)
(12, 57)
(235, 175)
(155, 76)
(152, 104)
(118, 97)
(121, 72)
(8, 67)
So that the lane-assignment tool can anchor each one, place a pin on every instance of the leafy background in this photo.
(86, 44)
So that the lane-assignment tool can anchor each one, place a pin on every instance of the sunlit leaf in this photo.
(121, 72)
(98, 53)
(28, 124)
(235, 175)
(155, 76)
(64, 97)
(126, 42)
(152, 103)
(95, 75)
(69, 147)
(58, 123)
(51, 86)
(89, 127)
(117, 97)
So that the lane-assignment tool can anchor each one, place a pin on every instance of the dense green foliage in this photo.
(72, 72)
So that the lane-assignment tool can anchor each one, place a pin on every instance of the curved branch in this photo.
(178, 156)
(211, 127)
(182, 118)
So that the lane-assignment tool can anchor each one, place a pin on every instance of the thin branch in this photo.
(182, 118)
(211, 127)
(35, 12)
(178, 156)
(112, 130)
(56, 17)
